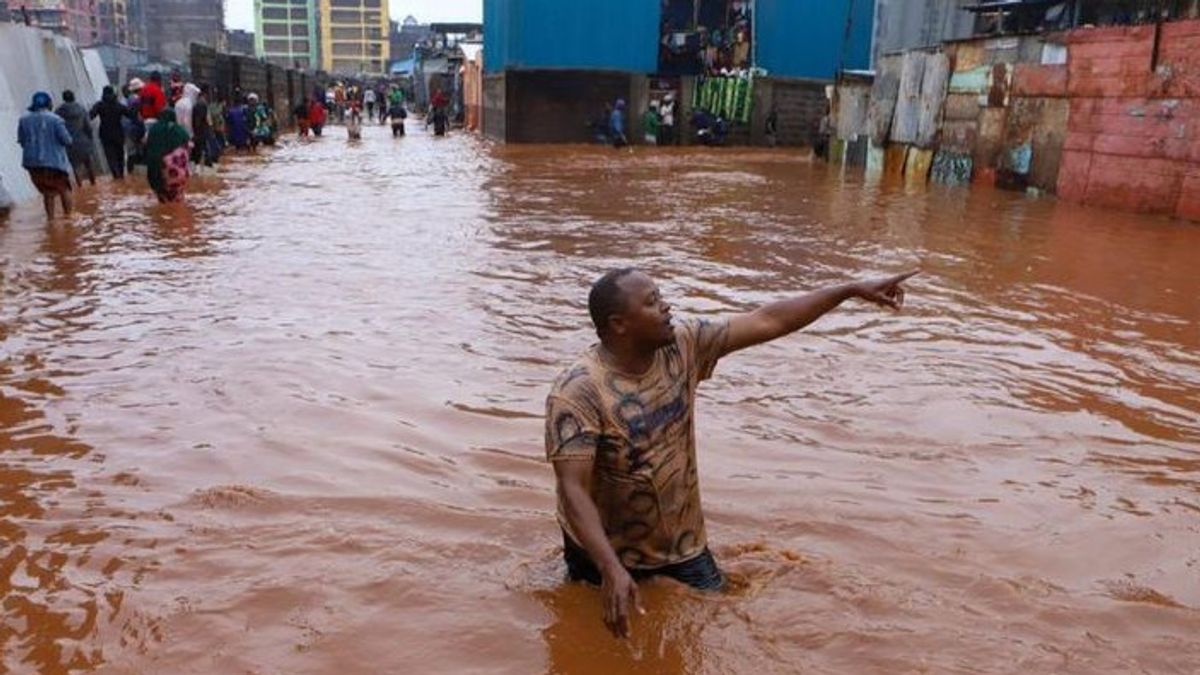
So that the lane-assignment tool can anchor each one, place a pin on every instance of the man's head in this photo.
(156, 77)
(68, 96)
(626, 306)
(41, 101)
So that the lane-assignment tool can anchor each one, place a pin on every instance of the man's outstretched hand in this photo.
(884, 292)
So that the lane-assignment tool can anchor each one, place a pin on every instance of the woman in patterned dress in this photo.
(167, 149)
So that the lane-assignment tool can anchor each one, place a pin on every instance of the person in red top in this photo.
(152, 97)
(316, 116)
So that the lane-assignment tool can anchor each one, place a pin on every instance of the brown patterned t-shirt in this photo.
(640, 433)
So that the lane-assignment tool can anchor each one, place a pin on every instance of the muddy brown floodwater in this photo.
(296, 427)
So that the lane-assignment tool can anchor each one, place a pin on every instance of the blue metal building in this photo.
(571, 34)
(808, 38)
(793, 38)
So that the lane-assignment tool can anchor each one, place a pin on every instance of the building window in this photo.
(300, 15)
(347, 49)
(344, 3)
(299, 30)
(274, 13)
(347, 33)
(371, 3)
(300, 46)
(275, 29)
(342, 16)
(275, 46)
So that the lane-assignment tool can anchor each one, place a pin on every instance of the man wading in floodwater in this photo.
(620, 432)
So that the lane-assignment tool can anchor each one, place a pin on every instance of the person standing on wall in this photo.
(44, 140)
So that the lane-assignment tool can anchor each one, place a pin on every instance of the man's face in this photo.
(647, 317)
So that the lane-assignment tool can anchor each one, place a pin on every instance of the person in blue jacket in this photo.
(44, 140)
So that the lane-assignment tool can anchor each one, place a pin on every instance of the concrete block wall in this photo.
(1133, 140)
(494, 97)
(800, 105)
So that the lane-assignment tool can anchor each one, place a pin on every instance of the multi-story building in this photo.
(406, 35)
(172, 25)
(354, 36)
(285, 32)
(115, 23)
(240, 42)
(58, 16)
(87, 22)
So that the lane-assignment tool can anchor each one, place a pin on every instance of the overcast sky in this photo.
(240, 13)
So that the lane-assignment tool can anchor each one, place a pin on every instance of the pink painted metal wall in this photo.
(1133, 138)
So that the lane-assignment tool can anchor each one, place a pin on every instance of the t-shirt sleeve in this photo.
(572, 430)
(704, 342)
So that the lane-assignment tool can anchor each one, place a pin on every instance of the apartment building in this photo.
(355, 36)
(87, 22)
(285, 32)
(172, 25)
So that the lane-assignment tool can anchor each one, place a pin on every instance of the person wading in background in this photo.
(167, 151)
(151, 99)
(80, 151)
(317, 115)
(113, 117)
(666, 129)
(44, 140)
(616, 125)
(621, 434)
(204, 149)
(135, 129)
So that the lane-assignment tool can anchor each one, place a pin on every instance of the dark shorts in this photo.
(700, 572)
(50, 181)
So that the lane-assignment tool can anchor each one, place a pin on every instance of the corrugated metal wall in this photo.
(531, 34)
(803, 38)
(911, 24)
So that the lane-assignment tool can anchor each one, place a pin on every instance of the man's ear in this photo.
(617, 325)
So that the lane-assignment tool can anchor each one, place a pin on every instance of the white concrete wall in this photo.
(35, 60)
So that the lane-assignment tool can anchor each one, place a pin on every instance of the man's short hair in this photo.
(606, 298)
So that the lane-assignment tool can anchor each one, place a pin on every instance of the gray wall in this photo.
(33, 60)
